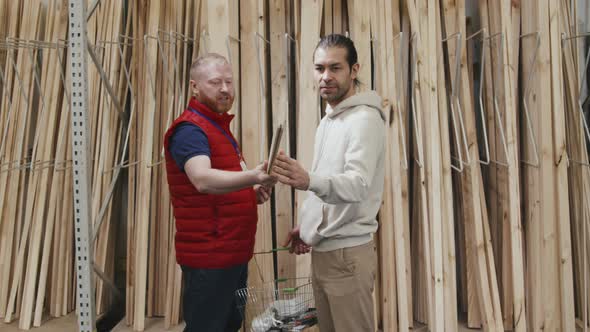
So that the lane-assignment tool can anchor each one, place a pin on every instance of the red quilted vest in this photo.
(212, 231)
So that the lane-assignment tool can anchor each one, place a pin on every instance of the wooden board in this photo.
(255, 124)
(360, 33)
(308, 114)
(281, 61)
(147, 103)
(535, 190)
(565, 289)
(447, 219)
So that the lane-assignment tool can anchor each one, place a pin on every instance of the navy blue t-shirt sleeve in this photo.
(187, 141)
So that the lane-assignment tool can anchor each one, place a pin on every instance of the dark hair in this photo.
(337, 40)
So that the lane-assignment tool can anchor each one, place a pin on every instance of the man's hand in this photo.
(290, 172)
(297, 245)
(262, 193)
(263, 178)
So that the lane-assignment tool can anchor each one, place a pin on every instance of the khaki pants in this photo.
(343, 282)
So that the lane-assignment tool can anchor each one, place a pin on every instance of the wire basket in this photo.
(282, 305)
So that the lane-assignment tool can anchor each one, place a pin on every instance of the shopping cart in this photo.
(282, 305)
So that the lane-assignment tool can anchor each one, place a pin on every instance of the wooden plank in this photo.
(501, 226)
(55, 207)
(491, 268)
(426, 307)
(488, 98)
(308, 105)
(337, 16)
(254, 134)
(219, 25)
(401, 238)
(578, 173)
(359, 18)
(448, 229)
(47, 126)
(390, 212)
(18, 176)
(434, 169)
(171, 300)
(564, 265)
(134, 155)
(472, 180)
(109, 149)
(144, 173)
(404, 45)
(515, 239)
(537, 194)
(223, 28)
(9, 238)
(280, 71)
(328, 23)
(69, 275)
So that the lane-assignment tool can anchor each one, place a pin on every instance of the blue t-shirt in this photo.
(188, 140)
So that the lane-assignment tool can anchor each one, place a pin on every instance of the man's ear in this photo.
(355, 70)
(194, 88)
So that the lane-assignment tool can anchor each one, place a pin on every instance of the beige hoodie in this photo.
(347, 176)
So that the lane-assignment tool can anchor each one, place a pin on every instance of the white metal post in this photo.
(81, 164)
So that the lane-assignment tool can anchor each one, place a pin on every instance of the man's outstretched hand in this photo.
(297, 245)
(290, 172)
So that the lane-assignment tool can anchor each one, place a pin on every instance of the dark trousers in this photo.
(209, 301)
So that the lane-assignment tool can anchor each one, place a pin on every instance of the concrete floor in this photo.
(69, 324)
(66, 324)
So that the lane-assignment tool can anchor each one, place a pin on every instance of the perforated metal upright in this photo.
(81, 164)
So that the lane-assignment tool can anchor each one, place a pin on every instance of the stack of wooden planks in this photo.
(36, 251)
(486, 207)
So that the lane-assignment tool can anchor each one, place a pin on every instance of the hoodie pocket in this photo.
(312, 220)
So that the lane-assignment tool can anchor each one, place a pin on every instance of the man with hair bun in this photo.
(345, 185)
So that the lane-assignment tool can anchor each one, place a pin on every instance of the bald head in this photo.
(199, 66)
(212, 82)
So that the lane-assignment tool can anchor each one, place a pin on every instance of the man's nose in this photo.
(326, 77)
(224, 87)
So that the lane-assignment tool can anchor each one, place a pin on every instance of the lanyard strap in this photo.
(216, 125)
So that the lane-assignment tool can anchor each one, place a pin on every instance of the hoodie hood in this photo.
(369, 98)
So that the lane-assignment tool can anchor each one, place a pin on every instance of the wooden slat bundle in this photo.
(19, 132)
(393, 279)
(481, 274)
(51, 92)
(549, 307)
(579, 168)
(9, 236)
